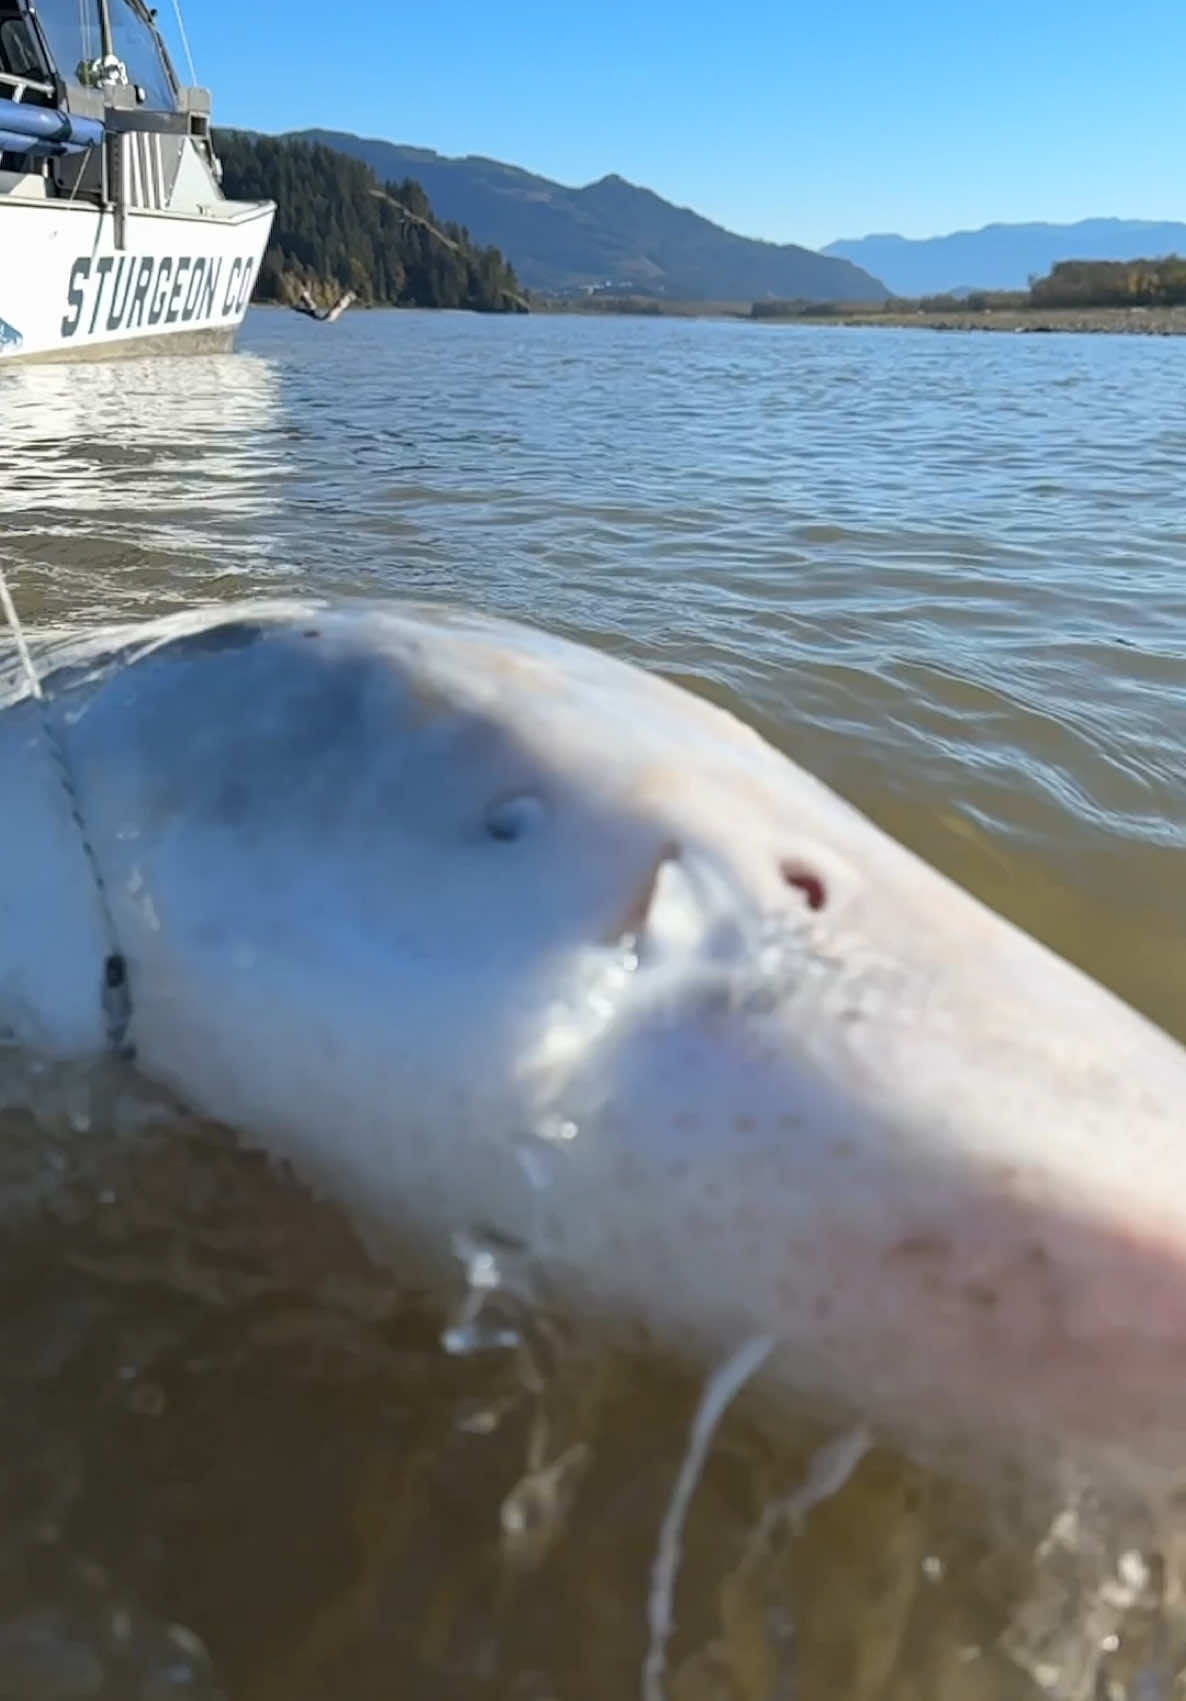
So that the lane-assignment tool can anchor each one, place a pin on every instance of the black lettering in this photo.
(228, 305)
(197, 273)
(163, 274)
(119, 303)
(79, 272)
(213, 273)
(101, 271)
(174, 307)
(136, 311)
(248, 284)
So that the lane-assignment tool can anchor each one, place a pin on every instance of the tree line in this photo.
(337, 229)
(1112, 283)
(1069, 283)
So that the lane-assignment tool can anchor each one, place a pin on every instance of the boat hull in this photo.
(179, 283)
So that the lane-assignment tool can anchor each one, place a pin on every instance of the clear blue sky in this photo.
(795, 122)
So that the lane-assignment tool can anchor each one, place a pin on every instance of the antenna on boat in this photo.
(106, 45)
(116, 999)
(189, 58)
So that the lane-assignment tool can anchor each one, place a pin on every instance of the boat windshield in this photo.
(135, 42)
(72, 33)
(71, 28)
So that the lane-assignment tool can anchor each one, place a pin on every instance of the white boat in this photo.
(115, 236)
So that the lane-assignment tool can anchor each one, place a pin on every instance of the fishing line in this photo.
(114, 994)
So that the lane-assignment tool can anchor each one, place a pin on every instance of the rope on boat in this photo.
(114, 993)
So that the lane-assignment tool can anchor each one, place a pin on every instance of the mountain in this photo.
(337, 229)
(609, 232)
(1004, 256)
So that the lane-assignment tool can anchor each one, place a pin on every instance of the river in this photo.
(948, 575)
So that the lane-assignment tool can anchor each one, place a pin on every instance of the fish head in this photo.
(489, 931)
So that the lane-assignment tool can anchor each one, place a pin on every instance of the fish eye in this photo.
(509, 818)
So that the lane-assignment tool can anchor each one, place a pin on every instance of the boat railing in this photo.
(15, 88)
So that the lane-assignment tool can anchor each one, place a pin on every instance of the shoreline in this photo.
(1082, 321)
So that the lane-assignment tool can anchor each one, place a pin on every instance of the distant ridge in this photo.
(609, 233)
(1004, 256)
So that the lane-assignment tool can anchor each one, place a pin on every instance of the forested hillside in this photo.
(338, 229)
(609, 233)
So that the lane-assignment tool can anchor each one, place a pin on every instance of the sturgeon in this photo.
(488, 932)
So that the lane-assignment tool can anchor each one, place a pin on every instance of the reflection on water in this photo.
(947, 575)
(140, 486)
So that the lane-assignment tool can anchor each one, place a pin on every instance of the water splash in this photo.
(1098, 1619)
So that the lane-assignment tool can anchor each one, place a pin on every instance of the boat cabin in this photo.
(90, 104)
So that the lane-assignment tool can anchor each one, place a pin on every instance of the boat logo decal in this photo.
(135, 292)
(10, 337)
